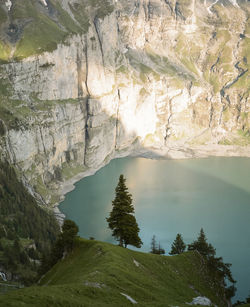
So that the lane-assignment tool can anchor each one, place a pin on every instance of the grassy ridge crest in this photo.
(96, 273)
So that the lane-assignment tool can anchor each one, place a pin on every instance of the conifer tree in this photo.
(201, 245)
(178, 245)
(121, 219)
(63, 245)
(69, 233)
(160, 250)
(215, 264)
(248, 299)
(156, 249)
(153, 245)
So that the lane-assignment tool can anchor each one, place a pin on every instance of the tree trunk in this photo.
(120, 243)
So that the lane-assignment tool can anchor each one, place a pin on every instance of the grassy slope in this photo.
(43, 32)
(157, 281)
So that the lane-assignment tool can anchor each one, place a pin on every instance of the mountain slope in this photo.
(27, 231)
(96, 274)
(82, 82)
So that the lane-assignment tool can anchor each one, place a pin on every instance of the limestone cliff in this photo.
(83, 81)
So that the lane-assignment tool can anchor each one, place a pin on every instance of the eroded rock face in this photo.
(167, 75)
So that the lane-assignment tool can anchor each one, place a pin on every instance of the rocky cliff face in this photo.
(84, 81)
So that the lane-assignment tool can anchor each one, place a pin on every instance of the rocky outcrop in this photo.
(169, 77)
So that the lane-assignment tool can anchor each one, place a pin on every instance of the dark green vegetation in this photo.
(216, 265)
(156, 248)
(121, 220)
(32, 28)
(96, 273)
(153, 195)
(245, 303)
(26, 230)
(178, 245)
(91, 273)
(63, 245)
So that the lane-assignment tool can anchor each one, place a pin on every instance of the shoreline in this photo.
(166, 153)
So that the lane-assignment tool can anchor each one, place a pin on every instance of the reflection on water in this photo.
(172, 196)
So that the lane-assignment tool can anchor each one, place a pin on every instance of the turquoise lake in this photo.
(174, 196)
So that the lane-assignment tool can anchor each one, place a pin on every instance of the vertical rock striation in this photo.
(143, 75)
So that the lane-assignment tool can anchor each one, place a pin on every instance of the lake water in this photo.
(174, 196)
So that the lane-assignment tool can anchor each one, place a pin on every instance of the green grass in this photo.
(8, 111)
(189, 64)
(104, 7)
(13, 118)
(69, 171)
(245, 135)
(243, 82)
(42, 32)
(65, 19)
(220, 59)
(5, 87)
(15, 113)
(4, 48)
(80, 15)
(42, 23)
(242, 138)
(23, 9)
(9, 287)
(165, 66)
(122, 70)
(143, 92)
(188, 51)
(96, 273)
(226, 115)
(43, 35)
(160, 65)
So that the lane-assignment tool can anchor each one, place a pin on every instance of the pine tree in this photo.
(16, 249)
(202, 246)
(215, 264)
(63, 245)
(68, 235)
(248, 299)
(178, 245)
(153, 245)
(160, 250)
(156, 250)
(121, 220)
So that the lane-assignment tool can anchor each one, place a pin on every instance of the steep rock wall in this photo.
(163, 76)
